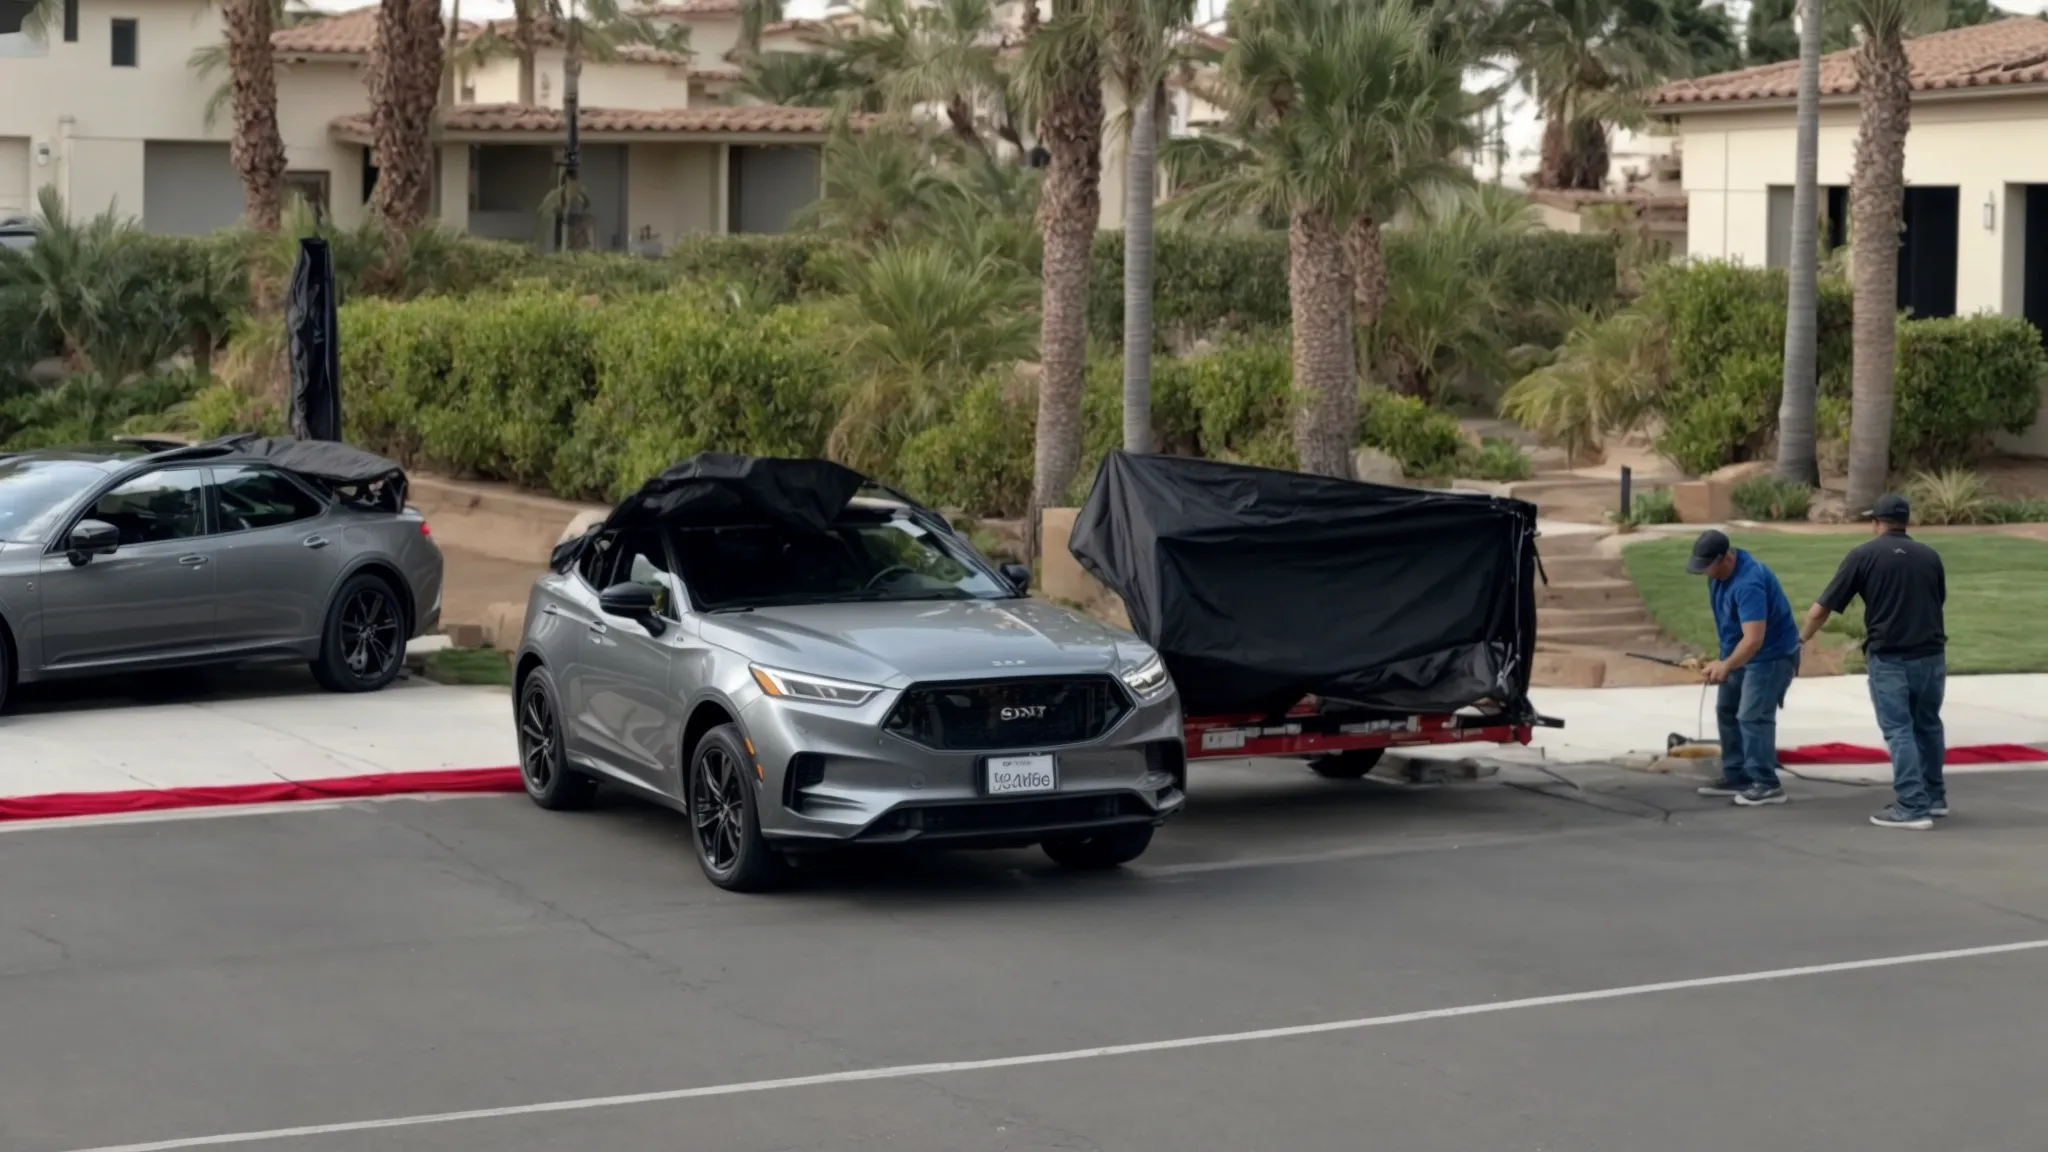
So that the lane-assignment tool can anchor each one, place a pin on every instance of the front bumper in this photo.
(831, 776)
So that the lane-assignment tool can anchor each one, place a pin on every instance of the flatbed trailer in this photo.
(1345, 743)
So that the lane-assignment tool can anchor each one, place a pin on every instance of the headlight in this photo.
(1147, 679)
(813, 689)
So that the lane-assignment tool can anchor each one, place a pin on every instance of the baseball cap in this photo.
(1711, 546)
(1890, 507)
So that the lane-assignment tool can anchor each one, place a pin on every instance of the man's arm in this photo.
(1846, 586)
(1749, 607)
(1816, 619)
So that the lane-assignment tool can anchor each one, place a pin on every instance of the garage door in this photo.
(189, 188)
(770, 185)
(14, 169)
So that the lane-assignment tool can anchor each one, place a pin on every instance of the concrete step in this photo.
(1549, 544)
(1567, 670)
(1587, 594)
(1566, 619)
(1583, 569)
(1546, 486)
(1613, 636)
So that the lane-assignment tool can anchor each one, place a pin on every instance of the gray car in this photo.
(874, 683)
(136, 556)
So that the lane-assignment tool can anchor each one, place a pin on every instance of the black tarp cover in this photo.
(717, 488)
(1259, 587)
(327, 460)
(314, 334)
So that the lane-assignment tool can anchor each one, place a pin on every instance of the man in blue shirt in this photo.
(1759, 657)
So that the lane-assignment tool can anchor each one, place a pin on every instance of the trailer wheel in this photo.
(1347, 765)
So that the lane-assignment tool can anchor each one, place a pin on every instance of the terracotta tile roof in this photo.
(2011, 51)
(691, 8)
(346, 33)
(749, 119)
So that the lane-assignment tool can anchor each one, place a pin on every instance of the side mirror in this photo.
(631, 601)
(92, 538)
(1019, 576)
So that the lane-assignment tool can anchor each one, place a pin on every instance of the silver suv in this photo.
(798, 660)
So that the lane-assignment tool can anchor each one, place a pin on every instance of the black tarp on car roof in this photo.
(1259, 587)
(712, 489)
(328, 460)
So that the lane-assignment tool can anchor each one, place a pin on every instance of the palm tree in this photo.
(602, 28)
(1146, 40)
(1877, 193)
(258, 146)
(1062, 82)
(405, 82)
(1588, 64)
(1797, 460)
(1328, 106)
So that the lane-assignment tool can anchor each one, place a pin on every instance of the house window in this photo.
(124, 43)
(310, 187)
(71, 21)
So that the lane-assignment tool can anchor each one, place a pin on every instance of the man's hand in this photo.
(1716, 673)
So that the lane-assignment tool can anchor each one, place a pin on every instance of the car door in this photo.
(154, 597)
(277, 557)
(625, 670)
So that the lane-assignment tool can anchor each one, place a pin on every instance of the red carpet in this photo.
(1857, 754)
(57, 804)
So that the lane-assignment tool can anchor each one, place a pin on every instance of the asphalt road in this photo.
(194, 980)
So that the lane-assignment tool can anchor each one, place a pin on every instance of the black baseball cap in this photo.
(1891, 508)
(1711, 546)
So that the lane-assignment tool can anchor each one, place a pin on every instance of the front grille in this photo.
(994, 714)
(997, 816)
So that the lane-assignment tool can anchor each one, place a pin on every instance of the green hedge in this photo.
(585, 399)
(1958, 381)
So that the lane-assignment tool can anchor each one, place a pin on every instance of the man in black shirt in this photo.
(1903, 588)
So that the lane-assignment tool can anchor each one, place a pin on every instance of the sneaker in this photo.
(1756, 796)
(1895, 817)
(1938, 811)
(1722, 787)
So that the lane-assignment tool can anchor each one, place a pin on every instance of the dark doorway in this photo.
(1927, 252)
(1837, 216)
(2034, 259)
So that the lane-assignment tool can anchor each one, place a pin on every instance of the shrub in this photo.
(1604, 380)
(1426, 441)
(2018, 512)
(88, 408)
(1653, 507)
(1240, 397)
(1955, 496)
(1772, 498)
(396, 363)
(1498, 460)
(980, 461)
(1960, 379)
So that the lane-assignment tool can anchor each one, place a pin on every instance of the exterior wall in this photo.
(673, 189)
(309, 98)
(189, 188)
(1985, 146)
(17, 169)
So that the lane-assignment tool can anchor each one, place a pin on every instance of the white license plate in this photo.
(1018, 775)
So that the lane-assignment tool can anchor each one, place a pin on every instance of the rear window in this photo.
(34, 491)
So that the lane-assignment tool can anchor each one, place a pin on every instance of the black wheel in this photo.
(6, 670)
(1100, 852)
(1347, 765)
(725, 824)
(363, 646)
(544, 767)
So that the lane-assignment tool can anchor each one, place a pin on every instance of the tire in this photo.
(6, 668)
(1100, 852)
(362, 644)
(725, 819)
(1347, 765)
(543, 763)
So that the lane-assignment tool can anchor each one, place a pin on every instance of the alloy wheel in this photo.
(717, 810)
(370, 633)
(536, 739)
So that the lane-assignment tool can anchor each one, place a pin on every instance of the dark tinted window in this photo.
(864, 557)
(33, 491)
(259, 498)
(159, 506)
(124, 44)
(639, 558)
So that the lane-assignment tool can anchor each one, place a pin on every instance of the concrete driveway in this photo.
(1298, 964)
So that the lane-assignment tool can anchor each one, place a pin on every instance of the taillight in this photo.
(424, 530)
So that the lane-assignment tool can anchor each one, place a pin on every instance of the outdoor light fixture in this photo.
(1990, 213)
(42, 153)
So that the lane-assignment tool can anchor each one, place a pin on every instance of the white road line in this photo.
(913, 1071)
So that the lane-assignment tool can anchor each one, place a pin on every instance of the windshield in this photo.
(864, 558)
(34, 490)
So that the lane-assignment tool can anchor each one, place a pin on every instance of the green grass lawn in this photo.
(469, 666)
(1997, 614)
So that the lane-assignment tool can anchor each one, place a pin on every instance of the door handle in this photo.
(316, 541)
(191, 561)
(550, 610)
(597, 629)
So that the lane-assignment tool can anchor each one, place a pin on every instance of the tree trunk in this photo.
(1797, 460)
(523, 44)
(1876, 210)
(258, 147)
(1368, 269)
(1069, 211)
(1141, 166)
(451, 83)
(1321, 302)
(405, 79)
(1574, 152)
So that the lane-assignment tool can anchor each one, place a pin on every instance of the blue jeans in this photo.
(1907, 695)
(1748, 711)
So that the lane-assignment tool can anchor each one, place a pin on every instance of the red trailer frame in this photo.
(1308, 729)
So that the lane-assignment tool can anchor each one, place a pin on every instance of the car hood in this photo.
(894, 644)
